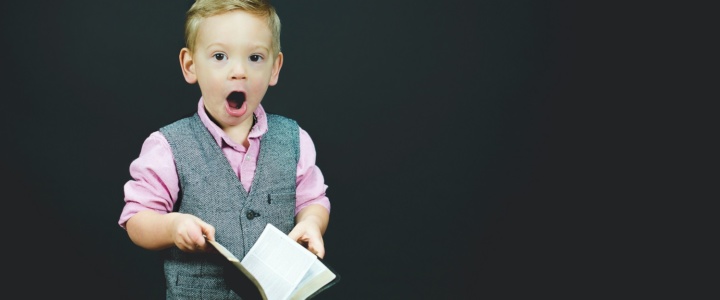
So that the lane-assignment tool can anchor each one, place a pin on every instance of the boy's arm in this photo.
(154, 231)
(310, 225)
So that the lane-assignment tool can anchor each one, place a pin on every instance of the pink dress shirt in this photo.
(154, 184)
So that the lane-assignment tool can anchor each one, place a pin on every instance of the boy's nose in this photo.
(237, 71)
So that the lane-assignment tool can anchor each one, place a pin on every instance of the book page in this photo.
(236, 262)
(278, 263)
(317, 276)
(224, 251)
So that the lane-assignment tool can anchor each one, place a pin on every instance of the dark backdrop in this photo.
(473, 149)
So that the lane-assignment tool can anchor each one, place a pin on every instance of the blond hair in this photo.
(202, 9)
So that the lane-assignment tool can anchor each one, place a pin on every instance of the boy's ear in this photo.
(277, 65)
(188, 66)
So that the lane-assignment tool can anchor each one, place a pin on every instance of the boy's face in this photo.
(234, 65)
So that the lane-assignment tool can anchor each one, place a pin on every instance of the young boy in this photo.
(229, 169)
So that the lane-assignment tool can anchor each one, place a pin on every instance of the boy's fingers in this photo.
(319, 250)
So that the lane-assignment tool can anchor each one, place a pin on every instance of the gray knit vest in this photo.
(210, 190)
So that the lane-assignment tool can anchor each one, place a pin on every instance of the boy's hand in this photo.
(308, 234)
(189, 233)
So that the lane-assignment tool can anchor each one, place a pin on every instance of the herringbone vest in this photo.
(210, 190)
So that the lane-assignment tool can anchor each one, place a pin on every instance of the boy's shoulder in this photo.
(279, 118)
(182, 121)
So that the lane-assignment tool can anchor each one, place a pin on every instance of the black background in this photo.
(484, 149)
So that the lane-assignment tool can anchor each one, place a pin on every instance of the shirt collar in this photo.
(219, 135)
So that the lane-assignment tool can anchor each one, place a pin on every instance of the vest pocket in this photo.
(202, 294)
(280, 199)
(282, 210)
(208, 286)
(210, 281)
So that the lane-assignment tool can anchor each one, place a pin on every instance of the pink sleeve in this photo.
(310, 182)
(154, 184)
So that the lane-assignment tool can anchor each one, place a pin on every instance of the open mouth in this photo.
(236, 99)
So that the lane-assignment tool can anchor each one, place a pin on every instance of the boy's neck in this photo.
(239, 134)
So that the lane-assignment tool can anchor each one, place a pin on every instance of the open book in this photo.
(281, 268)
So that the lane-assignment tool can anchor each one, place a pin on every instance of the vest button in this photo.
(251, 214)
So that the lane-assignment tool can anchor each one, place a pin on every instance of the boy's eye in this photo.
(255, 57)
(219, 56)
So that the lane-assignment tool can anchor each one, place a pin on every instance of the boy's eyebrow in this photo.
(223, 45)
